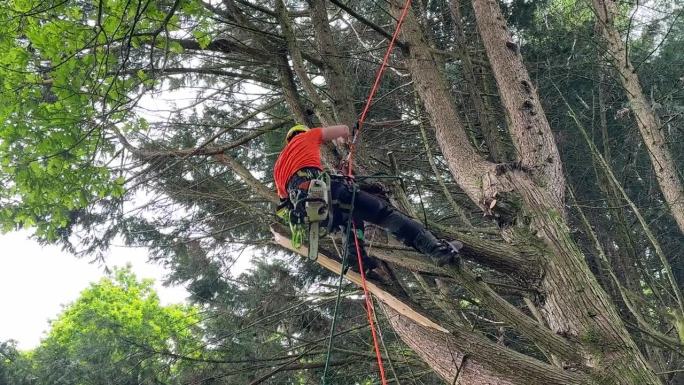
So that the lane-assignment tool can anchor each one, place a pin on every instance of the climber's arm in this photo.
(334, 132)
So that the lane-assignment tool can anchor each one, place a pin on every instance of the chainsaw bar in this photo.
(314, 233)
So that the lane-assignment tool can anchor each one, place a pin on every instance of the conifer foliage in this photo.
(546, 136)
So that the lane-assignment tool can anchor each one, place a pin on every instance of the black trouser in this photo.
(367, 208)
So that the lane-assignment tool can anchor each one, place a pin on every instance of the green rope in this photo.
(339, 289)
(297, 232)
(382, 341)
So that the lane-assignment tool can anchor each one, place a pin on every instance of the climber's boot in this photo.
(447, 253)
(441, 251)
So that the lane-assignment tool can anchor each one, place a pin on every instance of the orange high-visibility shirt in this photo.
(304, 150)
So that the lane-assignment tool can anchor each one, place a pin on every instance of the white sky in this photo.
(36, 281)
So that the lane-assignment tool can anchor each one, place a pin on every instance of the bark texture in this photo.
(530, 131)
(574, 304)
(464, 357)
(488, 127)
(465, 164)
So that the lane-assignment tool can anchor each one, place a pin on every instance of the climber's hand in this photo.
(340, 141)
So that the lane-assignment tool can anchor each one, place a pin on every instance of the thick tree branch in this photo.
(545, 337)
(206, 150)
(465, 163)
(487, 363)
(487, 126)
(519, 259)
(430, 158)
(298, 64)
(368, 23)
(202, 71)
(527, 124)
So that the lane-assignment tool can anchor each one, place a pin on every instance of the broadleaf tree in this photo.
(117, 332)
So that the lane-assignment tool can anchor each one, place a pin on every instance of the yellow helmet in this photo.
(294, 131)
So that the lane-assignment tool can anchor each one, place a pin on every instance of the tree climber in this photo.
(300, 162)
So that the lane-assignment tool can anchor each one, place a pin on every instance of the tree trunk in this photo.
(433, 90)
(573, 303)
(529, 129)
(487, 125)
(333, 72)
(649, 127)
(463, 357)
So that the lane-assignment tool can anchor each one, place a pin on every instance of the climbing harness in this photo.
(310, 202)
(349, 162)
(310, 211)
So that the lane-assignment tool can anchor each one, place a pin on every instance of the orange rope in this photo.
(376, 84)
(369, 309)
(369, 301)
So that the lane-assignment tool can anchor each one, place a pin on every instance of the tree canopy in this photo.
(546, 136)
(115, 332)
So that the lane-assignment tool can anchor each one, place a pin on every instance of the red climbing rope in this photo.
(369, 309)
(376, 84)
(369, 301)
